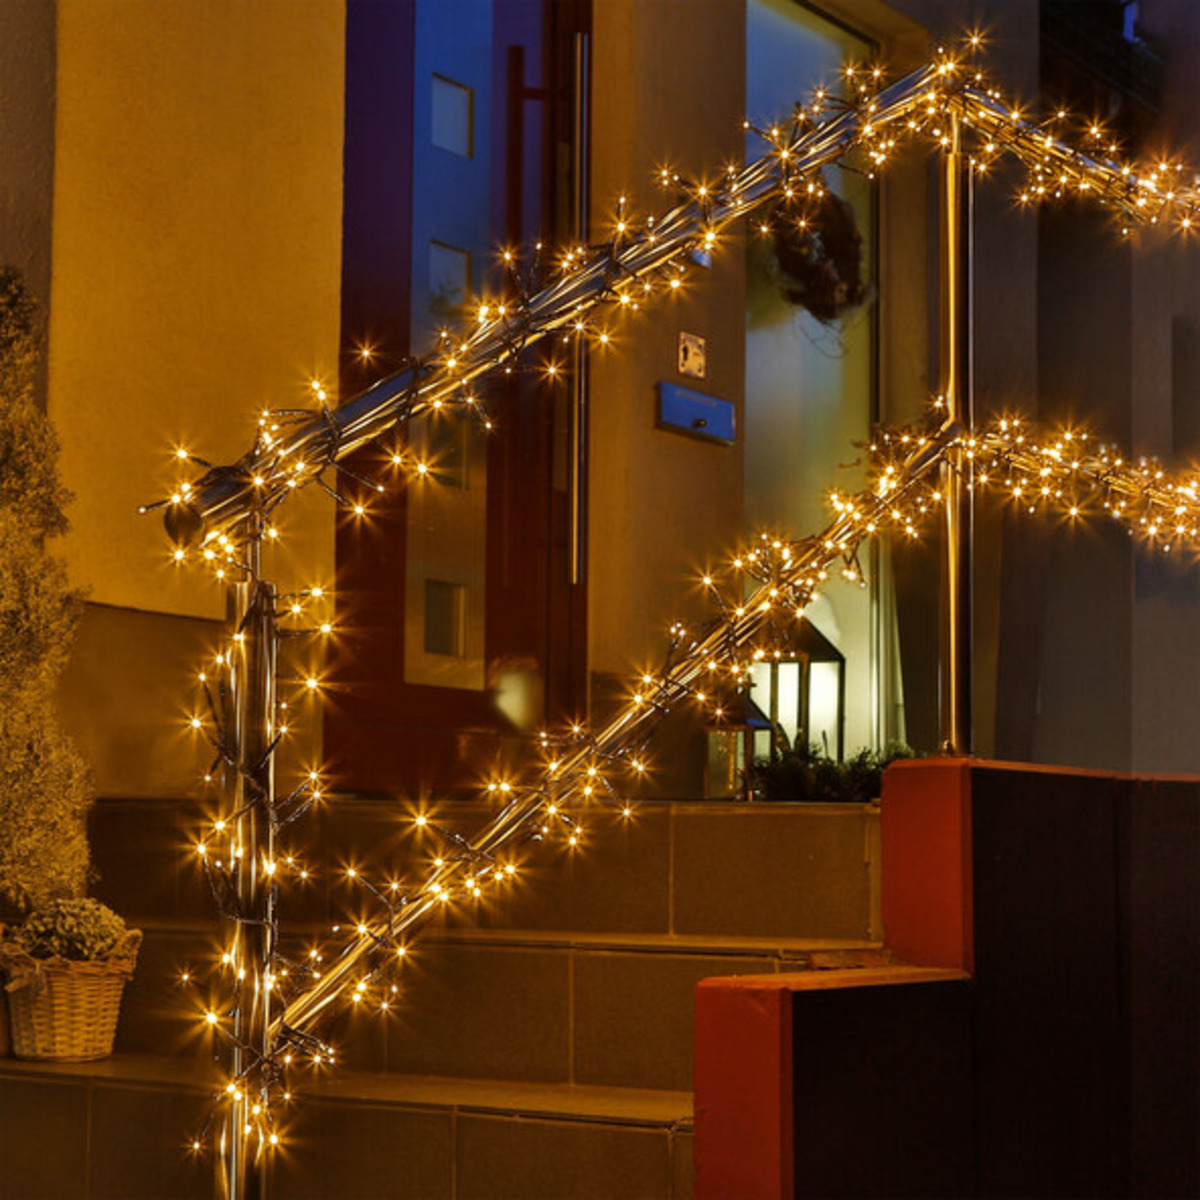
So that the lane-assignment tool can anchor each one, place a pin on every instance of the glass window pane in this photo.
(824, 687)
(453, 106)
(449, 279)
(786, 700)
(445, 618)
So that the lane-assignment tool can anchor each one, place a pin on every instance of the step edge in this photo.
(513, 1098)
(580, 1103)
(486, 807)
(607, 941)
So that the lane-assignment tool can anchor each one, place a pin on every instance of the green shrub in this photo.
(44, 790)
(811, 776)
(79, 929)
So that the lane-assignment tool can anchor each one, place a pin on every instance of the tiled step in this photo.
(99, 1131)
(543, 1045)
(535, 1006)
(700, 869)
(118, 1128)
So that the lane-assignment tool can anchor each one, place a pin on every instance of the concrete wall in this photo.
(1083, 645)
(197, 233)
(1116, 684)
(197, 241)
(661, 505)
(1165, 652)
(27, 145)
(668, 86)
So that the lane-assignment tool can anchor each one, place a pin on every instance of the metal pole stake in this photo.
(955, 381)
(243, 1171)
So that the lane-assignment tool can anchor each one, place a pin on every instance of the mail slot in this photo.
(684, 411)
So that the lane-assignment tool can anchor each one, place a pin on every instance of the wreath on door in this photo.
(818, 249)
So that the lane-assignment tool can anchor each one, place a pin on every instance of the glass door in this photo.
(810, 385)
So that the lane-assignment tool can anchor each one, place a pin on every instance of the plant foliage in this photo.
(811, 776)
(44, 790)
(818, 249)
(79, 929)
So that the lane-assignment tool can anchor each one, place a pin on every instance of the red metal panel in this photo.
(744, 1075)
(927, 886)
(743, 1088)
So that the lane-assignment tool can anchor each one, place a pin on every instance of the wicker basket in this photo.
(67, 1011)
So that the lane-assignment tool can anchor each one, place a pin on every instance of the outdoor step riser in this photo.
(112, 1138)
(160, 1014)
(542, 1013)
(692, 869)
(548, 1014)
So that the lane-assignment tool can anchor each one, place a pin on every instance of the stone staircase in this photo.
(543, 1048)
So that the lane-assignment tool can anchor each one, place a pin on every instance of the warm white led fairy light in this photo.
(220, 517)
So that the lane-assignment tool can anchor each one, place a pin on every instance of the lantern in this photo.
(804, 691)
(734, 740)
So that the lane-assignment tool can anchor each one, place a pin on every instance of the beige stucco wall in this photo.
(195, 278)
(197, 234)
